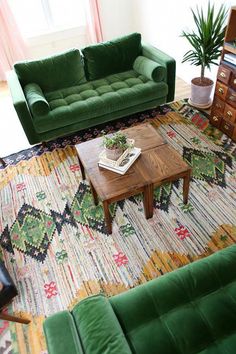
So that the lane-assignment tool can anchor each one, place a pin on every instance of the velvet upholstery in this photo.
(149, 68)
(168, 62)
(105, 331)
(191, 310)
(96, 98)
(36, 100)
(55, 72)
(75, 103)
(111, 57)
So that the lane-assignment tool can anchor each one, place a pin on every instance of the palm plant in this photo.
(207, 39)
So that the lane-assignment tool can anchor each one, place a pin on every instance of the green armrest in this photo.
(99, 328)
(36, 100)
(61, 334)
(166, 61)
(21, 106)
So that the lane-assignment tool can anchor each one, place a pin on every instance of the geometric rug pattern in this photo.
(53, 238)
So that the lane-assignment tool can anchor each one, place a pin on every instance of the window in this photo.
(42, 16)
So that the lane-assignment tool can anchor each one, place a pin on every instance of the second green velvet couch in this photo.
(65, 93)
(191, 310)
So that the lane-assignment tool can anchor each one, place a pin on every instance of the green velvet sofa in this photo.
(187, 311)
(74, 90)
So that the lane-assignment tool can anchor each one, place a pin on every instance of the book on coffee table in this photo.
(123, 165)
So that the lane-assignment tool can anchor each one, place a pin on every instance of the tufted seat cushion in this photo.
(95, 98)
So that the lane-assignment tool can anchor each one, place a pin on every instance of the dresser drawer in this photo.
(230, 113)
(231, 97)
(221, 90)
(216, 118)
(227, 127)
(233, 81)
(218, 105)
(224, 74)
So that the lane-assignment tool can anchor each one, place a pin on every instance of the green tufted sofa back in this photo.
(53, 73)
(189, 311)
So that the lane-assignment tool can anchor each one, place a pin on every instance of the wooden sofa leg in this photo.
(6, 317)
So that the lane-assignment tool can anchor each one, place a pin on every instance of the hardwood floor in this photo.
(182, 89)
(12, 136)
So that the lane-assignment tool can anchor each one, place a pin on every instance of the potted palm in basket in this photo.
(206, 41)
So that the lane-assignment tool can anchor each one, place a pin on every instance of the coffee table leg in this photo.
(186, 187)
(107, 215)
(148, 201)
(81, 168)
(94, 193)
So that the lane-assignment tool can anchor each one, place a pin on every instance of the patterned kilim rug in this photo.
(53, 238)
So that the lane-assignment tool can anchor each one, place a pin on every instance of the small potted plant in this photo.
(115, 145)
(206, 41)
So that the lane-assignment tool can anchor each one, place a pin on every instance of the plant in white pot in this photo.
(115, 145)
(206, 41)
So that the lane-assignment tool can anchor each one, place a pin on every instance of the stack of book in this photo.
(122, 164)
(231, 58)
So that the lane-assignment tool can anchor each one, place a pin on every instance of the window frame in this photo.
(53, 32)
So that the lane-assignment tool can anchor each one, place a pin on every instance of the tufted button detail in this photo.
(112, 84)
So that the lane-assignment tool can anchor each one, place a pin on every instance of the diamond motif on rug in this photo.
(86, 212)
(32, 232)
(65, 218)
(208, 166)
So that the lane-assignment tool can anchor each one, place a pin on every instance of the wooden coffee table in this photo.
(157, 164)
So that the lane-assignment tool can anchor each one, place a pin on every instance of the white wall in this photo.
(161, 23)
(117, 18)
(51, 43)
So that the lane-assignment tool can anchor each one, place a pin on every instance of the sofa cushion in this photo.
(52, 73)
(149, 68)
(190, 310)
(38, 104)
(111, 57)
(96, 98)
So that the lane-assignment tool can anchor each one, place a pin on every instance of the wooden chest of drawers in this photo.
(223, 112)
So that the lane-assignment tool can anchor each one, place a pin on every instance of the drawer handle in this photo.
(226, 127)
(234, 81)
(218, 105)
(229, 113)
(222, 74)
(232, 98)
(221, 90)
(215, 118)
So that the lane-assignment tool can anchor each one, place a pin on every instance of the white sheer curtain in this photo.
(94, 28)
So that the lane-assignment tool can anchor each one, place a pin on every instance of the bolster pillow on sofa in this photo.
(37, 102)
(149, 68)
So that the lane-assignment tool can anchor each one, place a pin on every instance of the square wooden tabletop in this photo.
(158, 163)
